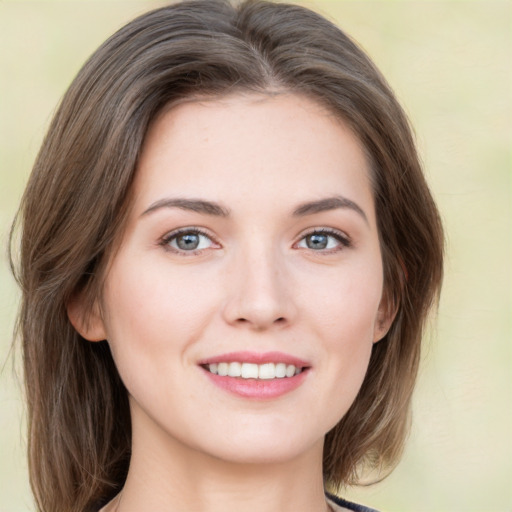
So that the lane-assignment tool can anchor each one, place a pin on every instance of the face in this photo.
(243, 303)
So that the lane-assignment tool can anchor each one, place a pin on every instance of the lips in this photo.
(256, 375)
(256, 358)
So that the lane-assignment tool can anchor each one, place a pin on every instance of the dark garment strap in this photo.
(348, 504)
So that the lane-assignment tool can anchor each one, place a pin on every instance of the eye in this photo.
(187, 241)
(324, 240)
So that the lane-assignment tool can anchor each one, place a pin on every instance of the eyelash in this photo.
(343, 240)
(167, 239)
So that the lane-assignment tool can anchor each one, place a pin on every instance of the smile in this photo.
(256, 375)
(265, 371)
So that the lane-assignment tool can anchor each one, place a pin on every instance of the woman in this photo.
(228, 254)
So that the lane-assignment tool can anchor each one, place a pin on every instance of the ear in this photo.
(87, 322)
(385, 315)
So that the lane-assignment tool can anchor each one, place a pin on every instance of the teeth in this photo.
(249, 371)
(267, 371)
(222, 369)
(235, 370)
(280, 370)
(264, 371)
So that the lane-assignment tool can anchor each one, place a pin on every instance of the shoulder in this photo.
(348, 505)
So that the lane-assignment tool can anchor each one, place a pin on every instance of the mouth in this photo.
(244, 370)
(256, 375)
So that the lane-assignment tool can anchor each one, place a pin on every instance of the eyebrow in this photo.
(194, 205)
(215, 209)
(330, 203)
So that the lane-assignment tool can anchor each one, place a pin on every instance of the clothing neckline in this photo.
(349, 505)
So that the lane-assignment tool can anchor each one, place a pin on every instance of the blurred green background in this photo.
(450, 65)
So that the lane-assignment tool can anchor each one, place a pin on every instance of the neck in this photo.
(166, 475)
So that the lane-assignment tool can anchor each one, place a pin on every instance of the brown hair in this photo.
(78, 194)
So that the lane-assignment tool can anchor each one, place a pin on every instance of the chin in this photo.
(262, 448)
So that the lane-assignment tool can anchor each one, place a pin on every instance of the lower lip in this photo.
(260, 389)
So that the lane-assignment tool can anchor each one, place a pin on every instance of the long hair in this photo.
(78, 194)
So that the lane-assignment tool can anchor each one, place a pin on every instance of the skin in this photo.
(253, 283)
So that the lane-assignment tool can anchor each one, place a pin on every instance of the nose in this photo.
(260, 294)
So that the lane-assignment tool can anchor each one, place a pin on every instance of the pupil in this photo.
(189, 241)
(317, 241)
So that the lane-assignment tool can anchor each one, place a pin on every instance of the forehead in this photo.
(250, 148)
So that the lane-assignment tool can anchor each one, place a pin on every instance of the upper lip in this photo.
(256, 358)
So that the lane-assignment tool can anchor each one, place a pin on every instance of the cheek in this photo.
(345, 324)
(153, 316)
(344, 316)
(347, 303)
(155, 309)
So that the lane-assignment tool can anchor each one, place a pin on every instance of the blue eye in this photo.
(323, 240)
(189, 240)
